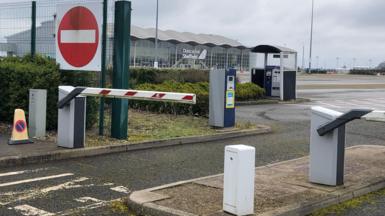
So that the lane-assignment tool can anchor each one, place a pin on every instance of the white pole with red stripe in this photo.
(187, 98)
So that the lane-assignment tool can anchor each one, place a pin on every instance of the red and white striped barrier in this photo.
(186, 98)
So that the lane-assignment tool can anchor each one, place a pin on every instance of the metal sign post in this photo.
(121, 63)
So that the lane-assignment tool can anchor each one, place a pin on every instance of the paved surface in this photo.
(145, 169)
(337, 79)
(281, 188)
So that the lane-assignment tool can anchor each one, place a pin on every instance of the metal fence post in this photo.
(103, 71)
(33, 29)
(121, 63)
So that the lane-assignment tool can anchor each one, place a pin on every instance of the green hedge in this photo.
(18, 75)
(150, 75)
(244, 92)
(367, 72)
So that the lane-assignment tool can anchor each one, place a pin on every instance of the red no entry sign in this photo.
(78, 37)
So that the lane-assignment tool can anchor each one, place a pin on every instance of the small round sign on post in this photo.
(78, 36)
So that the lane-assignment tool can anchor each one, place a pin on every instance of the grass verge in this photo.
(146, 126)
(340, 209)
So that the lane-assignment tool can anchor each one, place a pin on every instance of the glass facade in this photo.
(183, 55)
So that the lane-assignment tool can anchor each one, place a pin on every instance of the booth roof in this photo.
(271, 49)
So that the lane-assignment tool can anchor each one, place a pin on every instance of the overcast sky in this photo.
(345, 28)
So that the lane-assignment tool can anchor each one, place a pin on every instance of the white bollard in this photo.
(326, 152)
(238, 189)
(37, 112)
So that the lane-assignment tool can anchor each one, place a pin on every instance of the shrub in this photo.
(150, 75)
(200, 89)
(367, 71)
(247, 91)
(18, 75)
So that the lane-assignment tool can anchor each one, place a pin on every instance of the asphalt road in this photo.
(84, 186)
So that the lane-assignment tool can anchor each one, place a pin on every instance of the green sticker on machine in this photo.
(230, 99)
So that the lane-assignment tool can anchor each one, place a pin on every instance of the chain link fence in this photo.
(16, 39)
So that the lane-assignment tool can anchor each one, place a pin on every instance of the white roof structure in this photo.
(183, 37)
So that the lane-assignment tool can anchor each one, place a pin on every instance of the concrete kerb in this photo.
(150, 208)
(271, 101)
(62, 154)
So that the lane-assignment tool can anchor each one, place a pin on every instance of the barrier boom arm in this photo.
(186, 98)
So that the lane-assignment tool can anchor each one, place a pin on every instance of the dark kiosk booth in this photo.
(276, 71)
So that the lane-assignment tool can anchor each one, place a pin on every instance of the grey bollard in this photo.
(71, 121)
(37, 112)
(327, 153)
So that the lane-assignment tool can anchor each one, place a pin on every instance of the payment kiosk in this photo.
(222, 98)
(275, 70)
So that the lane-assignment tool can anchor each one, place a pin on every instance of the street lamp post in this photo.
(338, 62)
(311, 34)
(303, 57)
(354, 63)
(156, 35)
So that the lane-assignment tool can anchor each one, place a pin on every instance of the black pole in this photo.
(33, 29)
(103, 69)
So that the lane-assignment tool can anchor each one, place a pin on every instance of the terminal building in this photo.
(175, 49)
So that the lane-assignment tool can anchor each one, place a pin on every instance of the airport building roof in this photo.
(163, 35)
(185, 37)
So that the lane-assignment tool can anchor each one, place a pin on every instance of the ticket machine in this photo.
(275, 70)
(222, 98)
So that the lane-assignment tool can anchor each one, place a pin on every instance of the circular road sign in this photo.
(78, 36)
(20, 126)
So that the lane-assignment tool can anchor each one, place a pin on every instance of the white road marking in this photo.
(28, 210)
(87, 199)
(19, 172)
(87, 207)
(35, 179)
(328, 104)
(66, 185)
(27, 194)
(78, 36)
(121, 189)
